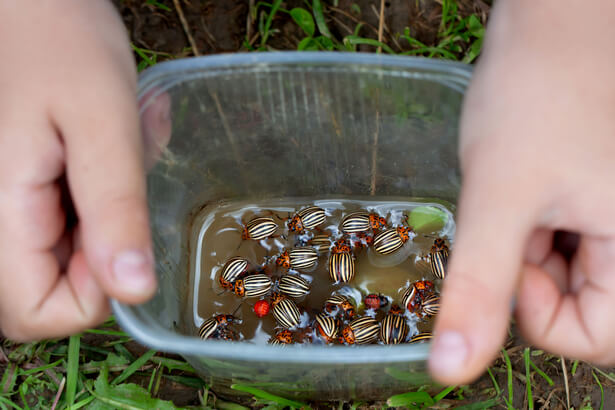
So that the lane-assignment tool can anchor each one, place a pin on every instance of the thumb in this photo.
(481, 278)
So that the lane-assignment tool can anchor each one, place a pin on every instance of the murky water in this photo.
(217, 236)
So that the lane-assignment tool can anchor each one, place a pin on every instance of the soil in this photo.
(226, 26)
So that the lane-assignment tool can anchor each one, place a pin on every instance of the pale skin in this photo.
(537, 152)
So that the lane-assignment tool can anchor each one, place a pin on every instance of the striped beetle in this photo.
(298, 258)
(327, 327)
(232, 270)
(209, 326)
(285, 311)
(415, 294)
(320, 242)
(253, 286)
(360, 331)
(335, 302)
(430, 305)
(294, 286)
(284, 337)
(259, 228)
(421, 337)
(392, 239)
(394, 328)
(362, 221)
(438, 257)
(307, 218)
(355, 222)
(341, 262)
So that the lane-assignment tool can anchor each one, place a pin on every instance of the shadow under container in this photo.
(274, 125)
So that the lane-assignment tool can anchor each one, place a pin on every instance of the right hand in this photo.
(538, 155)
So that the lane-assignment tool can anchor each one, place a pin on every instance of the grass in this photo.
(101, 368)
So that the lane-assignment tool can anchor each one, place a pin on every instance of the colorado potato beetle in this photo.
(431, 305)
(209, 327)
(355, 222)
(307, 218)
(362, 330)
(374, 301)
(421, 337)
(336, 302)
(394, 329)
(376, 222)
(341, 263)
(285, 311)
(415, 294)
(438, 257)
(298, 258)
(232, 270)
(392, 239)
(327, 327)
(294, 286)
(227, 334)
(320, 242)
(259, 228)
(284, 337)
(253, 286)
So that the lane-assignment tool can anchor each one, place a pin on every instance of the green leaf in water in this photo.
(426, 219)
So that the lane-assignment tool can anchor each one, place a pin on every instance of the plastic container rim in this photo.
(164, 340)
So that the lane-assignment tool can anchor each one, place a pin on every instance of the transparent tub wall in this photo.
(311, 130)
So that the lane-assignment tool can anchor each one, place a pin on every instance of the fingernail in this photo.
(133, 270)
(449, 353)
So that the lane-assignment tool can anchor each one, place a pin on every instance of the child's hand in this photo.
(538, 154)
(68, 108)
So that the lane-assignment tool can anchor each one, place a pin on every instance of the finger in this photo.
(155, 125)
(107, 183)
(483, 273)
(72, 303)
(538, 246)
(576, 324)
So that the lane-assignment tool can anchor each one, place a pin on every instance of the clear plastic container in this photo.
(291, 124)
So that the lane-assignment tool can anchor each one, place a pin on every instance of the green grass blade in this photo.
(487, 404)
(9, 403)
(107, 332)
(354, 40)
(609, 376)
(268, 396)
(9, 378)
(541, 373)
(41, 368)
(443, 393)
(134, 366)
(267, 26)
(172, 364)
(601, 390)
(142, 54)
(495, 383)
(319, 16)
(510, 379)
(575, 364)
(528, 383)
(72, 368)
(82, 403)
(410, 399)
